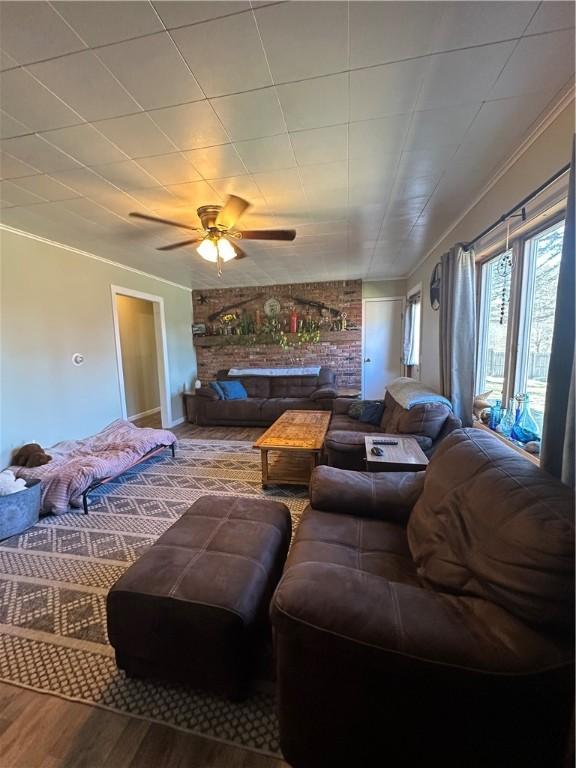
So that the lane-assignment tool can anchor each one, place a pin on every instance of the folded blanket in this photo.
(311, 371)
(76, 464)
(409, 392)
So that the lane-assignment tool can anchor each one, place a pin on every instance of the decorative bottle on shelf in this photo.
(293, 321)
(508, 419)
(495, 415)
(525, 428)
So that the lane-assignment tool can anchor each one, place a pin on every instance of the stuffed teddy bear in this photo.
(31, 455)
(10, 484)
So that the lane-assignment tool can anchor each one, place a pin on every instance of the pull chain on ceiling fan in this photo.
(218, 226)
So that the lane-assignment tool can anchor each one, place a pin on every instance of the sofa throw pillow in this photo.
(233, 390)
(218, 389)
(356, 408)
(372, 414)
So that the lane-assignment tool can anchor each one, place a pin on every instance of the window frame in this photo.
(519, 313)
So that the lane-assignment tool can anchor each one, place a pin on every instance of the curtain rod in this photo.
(521, 204)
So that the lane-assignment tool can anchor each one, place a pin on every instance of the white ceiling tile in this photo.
(268, 154)
(85, 144)
(6, 61)
(216, 162)
(136, 135)
(552, 15)
(46, 187)
(304, 39)
(127, 175)
(12, 168)
(170, 169)
(371, 180)
(152, 70)
(279, 187)
(315, 103)
(466, 23)
(391, 89)
(427, 162)
(378, 137)
(538, 63)
(243, 186)
(33, 31)
(83, 180)
(191, 126)
(225, 55)
(38, 153)
(250, 115)
(179, 14)
(155, 198)
(68, 78)
(10, 127)
(194, 194)
(99, 23)
(14, 195)
(388, 31)
(462, 77)
(440, 127)
(321, 145)
(25, 99)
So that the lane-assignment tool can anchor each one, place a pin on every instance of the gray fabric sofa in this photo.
(268, 398)
(427, 422)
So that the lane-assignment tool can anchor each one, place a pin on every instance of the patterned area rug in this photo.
(54, 579)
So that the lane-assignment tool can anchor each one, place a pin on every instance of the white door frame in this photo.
(161, 350)
(364, 302)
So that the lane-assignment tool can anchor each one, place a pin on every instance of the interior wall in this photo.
(383, 289)
(548, 153)
(139, 355)
(55, 303)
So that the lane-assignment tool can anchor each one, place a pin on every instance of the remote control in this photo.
(385, 442)
(376, 451)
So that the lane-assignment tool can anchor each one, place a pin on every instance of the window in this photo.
(516, 317)
(411, 345)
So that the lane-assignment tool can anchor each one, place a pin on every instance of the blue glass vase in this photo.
(525, 428)
(495, 415)
(509, 419)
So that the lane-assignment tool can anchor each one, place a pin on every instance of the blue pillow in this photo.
(233, 390)
(372, 414)
(218, 389)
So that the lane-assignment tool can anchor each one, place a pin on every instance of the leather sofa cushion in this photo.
(274, 407)
(234, 410)
(492, 525)
(371, 546)
(426, 419)
(292, 386)
(343, 423)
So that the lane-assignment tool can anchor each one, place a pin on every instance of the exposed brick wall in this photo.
(342, 352)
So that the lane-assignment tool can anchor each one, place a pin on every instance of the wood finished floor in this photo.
(38, 730)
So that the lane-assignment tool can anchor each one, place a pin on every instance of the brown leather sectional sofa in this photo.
(427, 618)
(268, 398)
(428, 423)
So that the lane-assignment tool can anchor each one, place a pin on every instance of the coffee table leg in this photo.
(264, 458)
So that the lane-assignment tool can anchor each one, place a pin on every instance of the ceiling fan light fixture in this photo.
(210, 250)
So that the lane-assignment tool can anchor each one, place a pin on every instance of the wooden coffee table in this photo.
(407, 456)
(295, 440)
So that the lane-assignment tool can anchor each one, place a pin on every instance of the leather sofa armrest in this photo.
(341, 405)
(383, 495)
(208, 393)
(324, 391)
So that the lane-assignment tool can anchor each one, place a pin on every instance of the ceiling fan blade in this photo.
(268, 234)
(181, 244)
(163, 221)
(233, 209)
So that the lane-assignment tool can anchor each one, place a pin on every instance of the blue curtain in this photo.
(557, 456)
(458, 331)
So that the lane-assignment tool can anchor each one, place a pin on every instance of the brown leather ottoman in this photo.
(194, 607)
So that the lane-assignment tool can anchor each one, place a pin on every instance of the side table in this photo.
(190, 406)
(406, 456)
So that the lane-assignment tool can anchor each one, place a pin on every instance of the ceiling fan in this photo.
(218, 227)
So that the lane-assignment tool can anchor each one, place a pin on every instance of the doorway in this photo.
(141, 353)
(381, 345)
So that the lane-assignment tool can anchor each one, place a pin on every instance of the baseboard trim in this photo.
(144, 413)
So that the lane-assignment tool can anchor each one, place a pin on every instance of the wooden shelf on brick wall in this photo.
(334, 337)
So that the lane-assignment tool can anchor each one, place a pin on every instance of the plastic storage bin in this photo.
(21, 510)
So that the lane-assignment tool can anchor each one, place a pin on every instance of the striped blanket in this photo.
(76, 464)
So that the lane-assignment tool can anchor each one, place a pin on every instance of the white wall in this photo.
(549, 152)
(383, 289)
(55, 302)
(139, 356)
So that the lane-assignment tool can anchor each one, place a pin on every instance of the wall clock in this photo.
(272, 307)
(435, 280)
